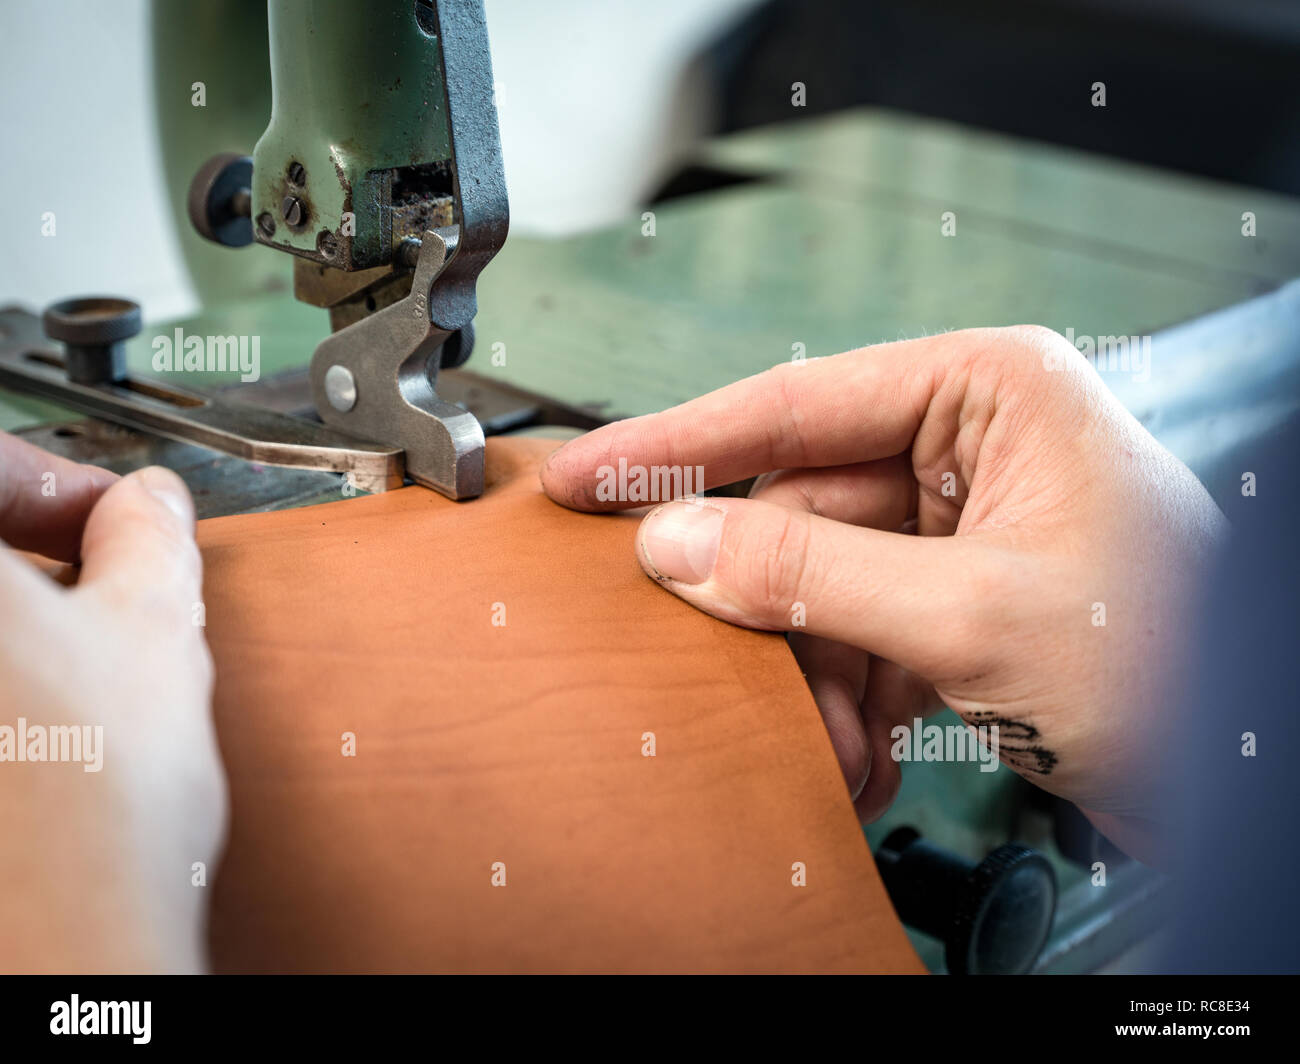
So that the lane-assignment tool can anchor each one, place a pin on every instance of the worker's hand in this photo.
(97, 867)
(1048, 589)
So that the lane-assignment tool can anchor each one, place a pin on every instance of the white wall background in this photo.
(77, 138)
(594, 106)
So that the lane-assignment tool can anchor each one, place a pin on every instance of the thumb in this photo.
(917, 601)
(138, 545)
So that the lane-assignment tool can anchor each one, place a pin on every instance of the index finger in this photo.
(854, 407)
(45, 499)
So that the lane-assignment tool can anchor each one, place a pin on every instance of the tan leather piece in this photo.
(519, 744)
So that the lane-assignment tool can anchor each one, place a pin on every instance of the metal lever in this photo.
(376, 379)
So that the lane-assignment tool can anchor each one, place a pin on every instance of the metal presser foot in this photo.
(376, 379)
(90, 376)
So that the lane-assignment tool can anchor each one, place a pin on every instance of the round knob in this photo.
(993, 917)
(220, 199)
(93, 330)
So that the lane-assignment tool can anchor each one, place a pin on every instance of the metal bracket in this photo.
(29, 364)
(376, 378)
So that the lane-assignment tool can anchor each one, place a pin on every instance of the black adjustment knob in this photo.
(94, 331)
(220, 202)
(993, 917)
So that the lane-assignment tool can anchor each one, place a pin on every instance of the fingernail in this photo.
(169, 489)
(679, 541)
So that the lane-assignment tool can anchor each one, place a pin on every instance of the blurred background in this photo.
(600, 100)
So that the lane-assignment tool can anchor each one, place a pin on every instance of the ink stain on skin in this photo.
(1023, 753)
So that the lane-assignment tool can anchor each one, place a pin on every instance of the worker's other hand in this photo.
(1047, 587)
(97, 867)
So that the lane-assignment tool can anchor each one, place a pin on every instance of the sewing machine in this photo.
(380, 172)
(802, 239)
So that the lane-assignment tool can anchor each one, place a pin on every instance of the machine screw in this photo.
(293, 210)
(94, 331)
(297, 174)
(266, 224)
(327, 244)
(340, 388)
(408, 251)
